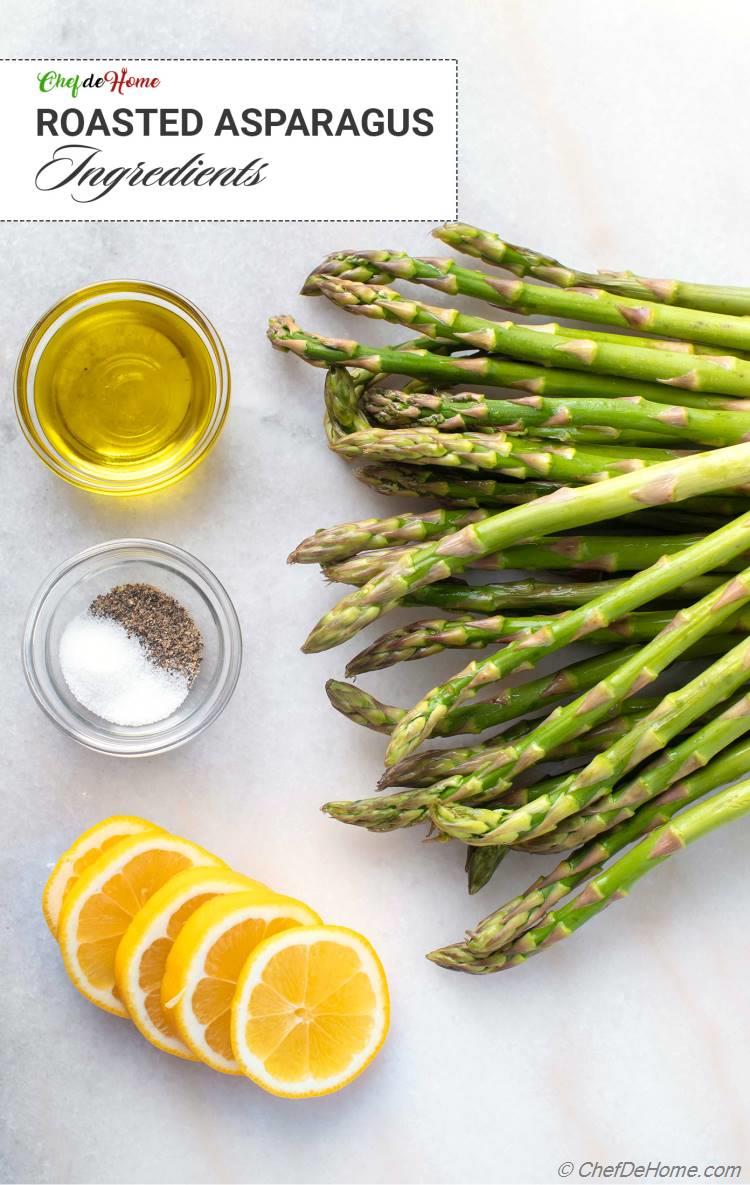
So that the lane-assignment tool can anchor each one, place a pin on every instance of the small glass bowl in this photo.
(150, 475)
(70, 589)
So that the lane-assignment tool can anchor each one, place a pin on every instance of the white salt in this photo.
(112, 675)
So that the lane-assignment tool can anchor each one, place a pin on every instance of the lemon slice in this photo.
(142, 954)
(310, 1012)
(80, 855)
(206, 960)
(100, 906)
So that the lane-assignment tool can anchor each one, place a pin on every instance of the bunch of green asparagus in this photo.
(645, 422)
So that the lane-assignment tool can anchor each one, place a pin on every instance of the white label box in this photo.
(246, 140)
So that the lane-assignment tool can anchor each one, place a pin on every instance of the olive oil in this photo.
(124, 384)
(125, 391)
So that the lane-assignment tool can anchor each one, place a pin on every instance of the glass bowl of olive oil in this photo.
(122, 387)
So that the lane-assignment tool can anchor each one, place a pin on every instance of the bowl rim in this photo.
(219, 597)
(109, 290)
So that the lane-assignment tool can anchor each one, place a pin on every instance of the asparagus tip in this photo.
(445, 958)
(311, 286)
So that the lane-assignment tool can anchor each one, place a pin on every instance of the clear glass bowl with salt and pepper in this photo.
(132, 647)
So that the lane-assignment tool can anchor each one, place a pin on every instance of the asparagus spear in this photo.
(620, 721)
(285, 334)
(361, 707)
(728, 375)
(564, 723)
(513, 456)
(645, 421)
(456, 490)
(616, 881)
(389, 812)
(360, 268)
(677, 710)
(575, 304)
(459, 597)
(362, 379)
(644, 586)
(527, 909)
(424, 769)
(490, 248)
(420, 639)
(618, 339)
(659, 484)
(341, 542)
(368, 812)
(581, 553)
(343, 414)
(613, 808)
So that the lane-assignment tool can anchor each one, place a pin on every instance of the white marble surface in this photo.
(614, 135)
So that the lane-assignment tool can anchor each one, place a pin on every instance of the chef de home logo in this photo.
(115, 81)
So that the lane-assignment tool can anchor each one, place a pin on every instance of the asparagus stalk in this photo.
(482, 244)
(581, 553)
(643, 420)
(624, 801)
(456, 490)
(362, 708)
(618, 339)
(388, 812)
(564, 723)
(459, 597)
(644, 586)
(605, 734)
(614, 882)
(527, 909)
(341, 542)
(499, 453)
(424, 769)
(728, 375)
(285, 334)
(367, 812)
(677, 710)
(360, 268)
(726, 331)
(362, 379)
(659, 484)
(421, 639)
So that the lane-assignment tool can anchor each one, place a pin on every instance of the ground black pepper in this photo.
(160, 623)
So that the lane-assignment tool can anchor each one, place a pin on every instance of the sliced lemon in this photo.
(100, 906)
(205, 962)
(310, 1012)
(142, 954)
(80, 855)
